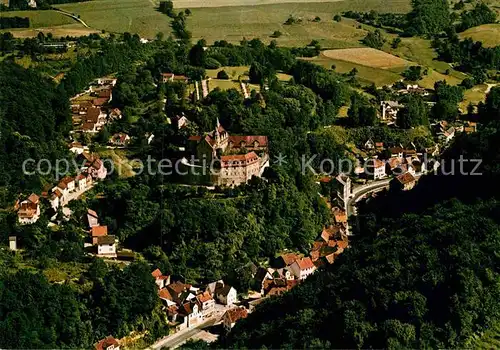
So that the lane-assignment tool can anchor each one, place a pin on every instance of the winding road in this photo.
(72, 16)
(361, 191)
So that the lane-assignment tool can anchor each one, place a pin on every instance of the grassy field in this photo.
(419, 50)
(135, 16)
(488, 34)
(42, 19)
(233, 23)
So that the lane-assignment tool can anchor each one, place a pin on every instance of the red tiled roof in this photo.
(33, 198)
(178, 287)
(67, 180)
(396, 150)
(330, 258)
(88, 126)
(105, 343)
(194, 138)
(289, 258)
(165, 294)
(236, 314)
(342, 244)
(105, 93)
(305, 263)
(99, 231)
(248, 140)
(204, 297)
(377, 163)
(405, 178)
(230, 160)
(100, 101)
(156, 273)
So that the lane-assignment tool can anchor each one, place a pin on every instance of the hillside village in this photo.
(241, 158)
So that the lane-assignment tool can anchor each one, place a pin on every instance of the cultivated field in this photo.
(488, 34)
(367, 56)
(57, 31)
(365, 74)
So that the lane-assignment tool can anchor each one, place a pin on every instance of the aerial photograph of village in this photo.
(249, 174)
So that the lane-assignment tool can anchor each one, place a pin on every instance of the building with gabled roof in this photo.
(106, 246)
(404, 182)
(108, 343)
(303, 268)
(29, 210)
(232, 316)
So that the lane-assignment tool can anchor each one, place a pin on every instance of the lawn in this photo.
(488, 34)
(235, 73)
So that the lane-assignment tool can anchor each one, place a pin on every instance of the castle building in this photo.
(232, 160)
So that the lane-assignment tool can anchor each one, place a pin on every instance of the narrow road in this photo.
(363, 190)
(72, 16)
(177, 339)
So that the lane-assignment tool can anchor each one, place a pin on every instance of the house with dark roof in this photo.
(226, 295)
(106, 246)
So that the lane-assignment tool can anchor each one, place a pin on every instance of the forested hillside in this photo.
(425, 272)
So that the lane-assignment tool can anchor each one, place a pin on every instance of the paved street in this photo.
(360, 191)
(179, 338)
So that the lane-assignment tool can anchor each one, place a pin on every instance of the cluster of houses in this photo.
(187, 306)
(106, 244)
(405, 164)
(90, 116)
(69, 188)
